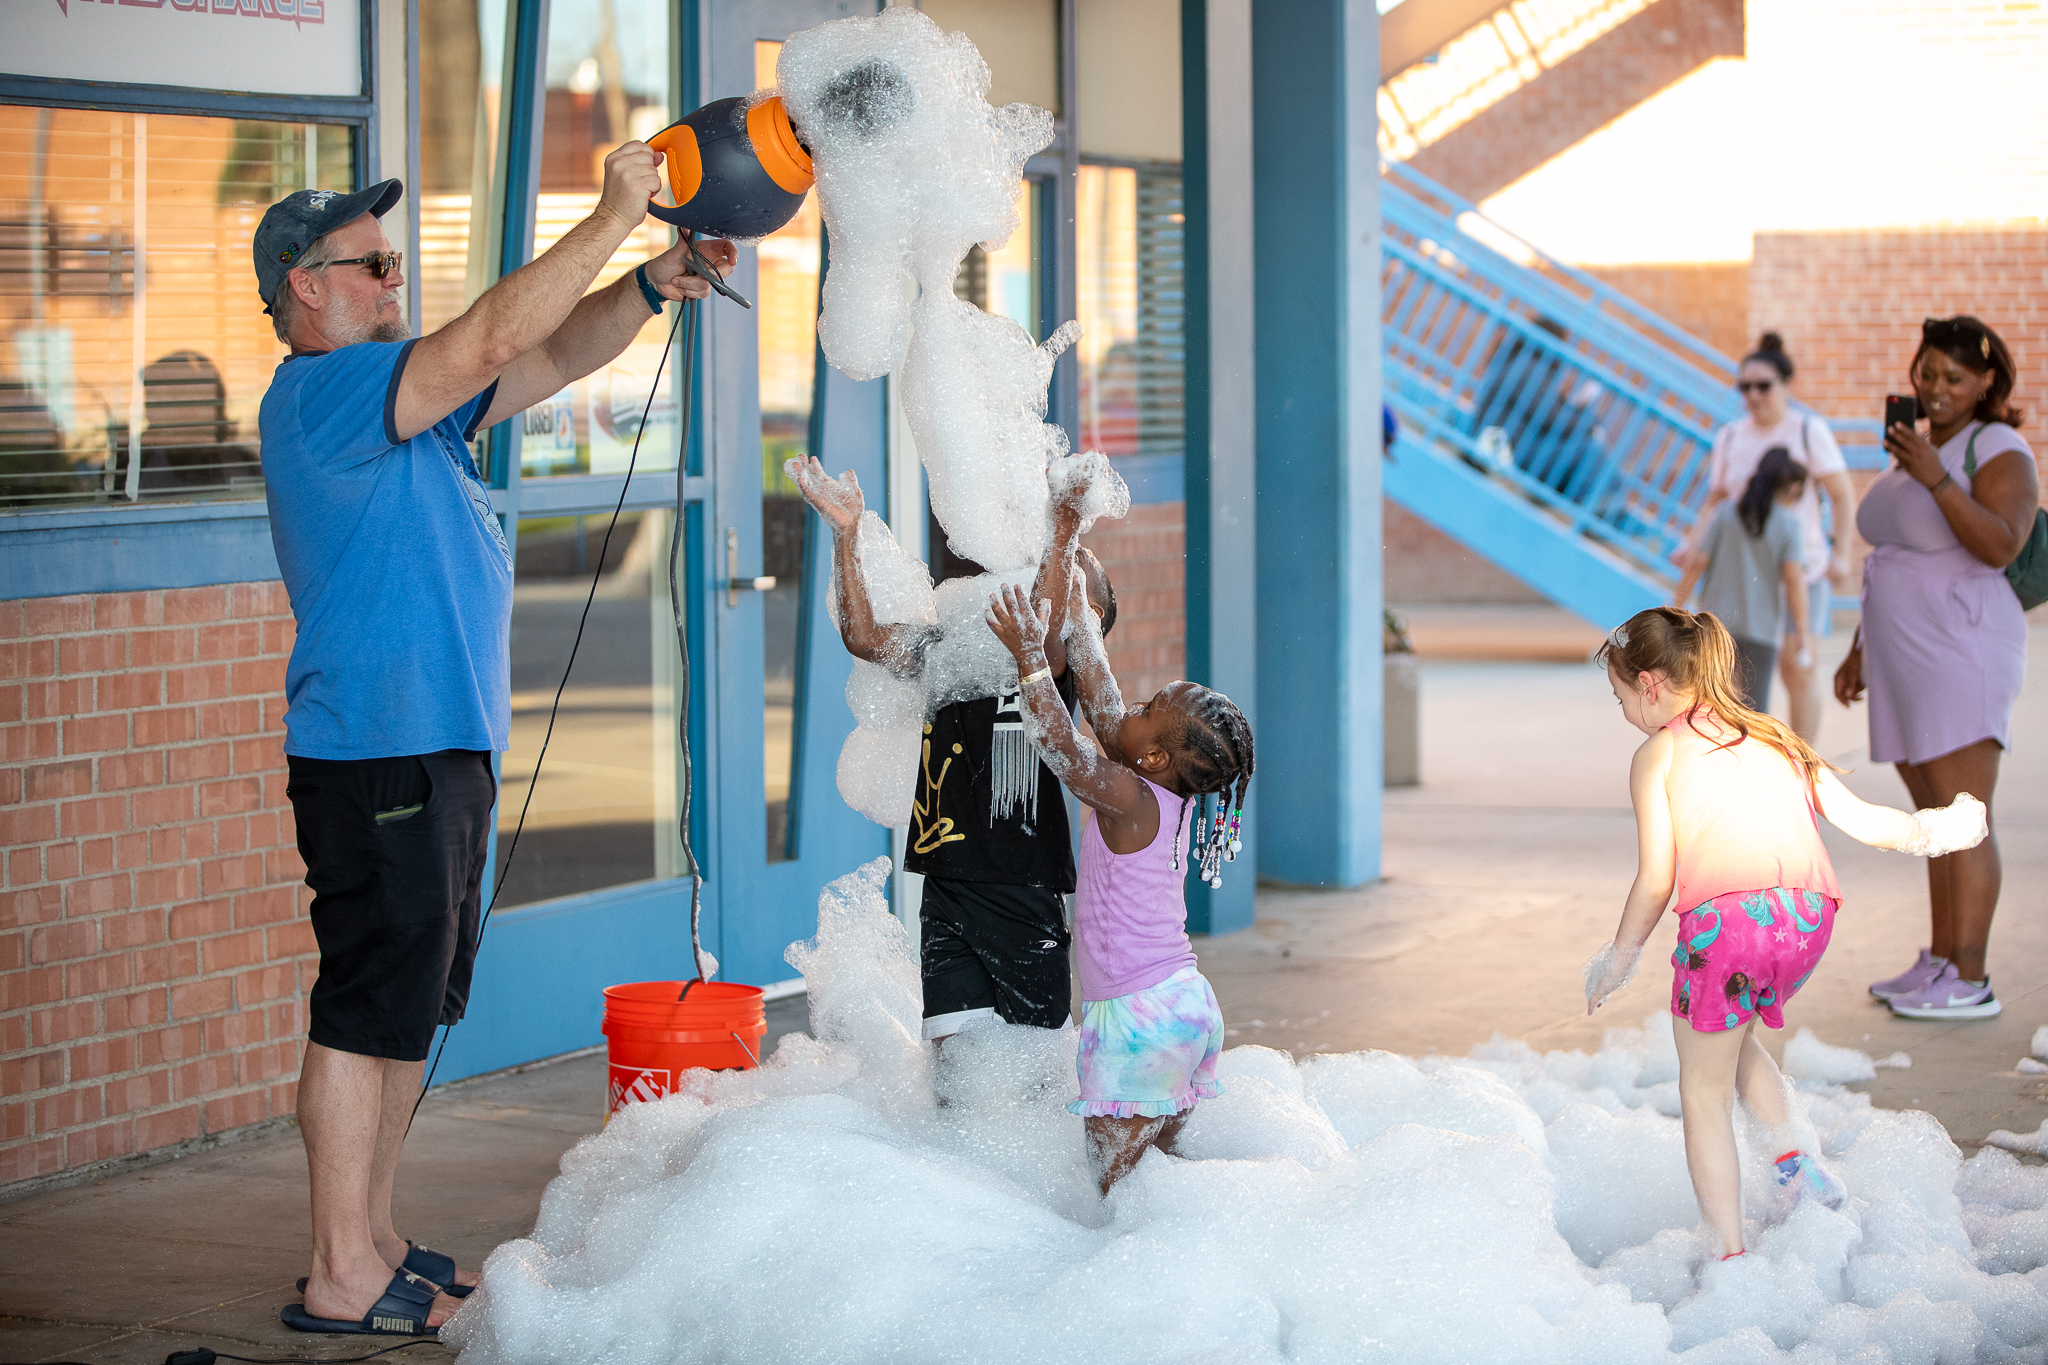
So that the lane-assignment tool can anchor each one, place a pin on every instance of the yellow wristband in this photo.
(1040, 676)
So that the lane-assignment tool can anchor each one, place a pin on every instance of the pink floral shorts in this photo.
(1742, 955)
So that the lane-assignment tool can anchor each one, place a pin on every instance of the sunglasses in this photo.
(1754, 385)
(1953, 331)
(380, 264)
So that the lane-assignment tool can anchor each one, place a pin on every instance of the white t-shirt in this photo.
(1739, 448)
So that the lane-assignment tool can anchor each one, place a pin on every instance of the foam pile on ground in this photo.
(1807, 1058)
(1507, 1206)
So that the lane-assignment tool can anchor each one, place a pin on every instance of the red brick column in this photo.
(1146, 560)
(154, 950)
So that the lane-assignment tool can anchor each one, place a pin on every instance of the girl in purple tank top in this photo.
(1150, 1028)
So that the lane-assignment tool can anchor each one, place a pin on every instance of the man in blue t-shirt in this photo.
(399, 686)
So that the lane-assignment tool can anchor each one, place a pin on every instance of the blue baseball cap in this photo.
(292, 224)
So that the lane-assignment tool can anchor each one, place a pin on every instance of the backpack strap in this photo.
(1970, 454)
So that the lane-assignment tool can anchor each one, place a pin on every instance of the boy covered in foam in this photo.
(988, 826)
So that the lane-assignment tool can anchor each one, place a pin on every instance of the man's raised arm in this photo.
(535, 330)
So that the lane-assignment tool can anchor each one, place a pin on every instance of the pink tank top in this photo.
(1130, 910)
(1741, 817)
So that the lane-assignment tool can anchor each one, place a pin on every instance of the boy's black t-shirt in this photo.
(987, 808)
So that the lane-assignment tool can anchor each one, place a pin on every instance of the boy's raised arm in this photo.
(839, 505)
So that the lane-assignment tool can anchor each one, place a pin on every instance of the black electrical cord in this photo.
(625, 486)
(206, 1355)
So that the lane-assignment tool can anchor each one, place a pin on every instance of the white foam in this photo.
(914, 167)
(1807, 1058)
(1506, 1206)
(2039, 1047)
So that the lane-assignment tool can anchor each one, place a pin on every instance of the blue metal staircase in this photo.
(1549, 422)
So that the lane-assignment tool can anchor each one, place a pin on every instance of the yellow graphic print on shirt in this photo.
(930, 832)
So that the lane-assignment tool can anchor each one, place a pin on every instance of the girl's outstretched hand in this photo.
(1607, 971)
(1017, 621)
(1962, 823)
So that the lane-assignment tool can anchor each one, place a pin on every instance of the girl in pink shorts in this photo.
(1150, 1028)
(1727, 804)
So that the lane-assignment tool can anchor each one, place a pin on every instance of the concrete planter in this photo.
(1402, 762)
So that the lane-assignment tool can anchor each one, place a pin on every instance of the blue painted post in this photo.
(1222, 550)
(1315, 73)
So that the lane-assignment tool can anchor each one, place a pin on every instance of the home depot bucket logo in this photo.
(637, 1085)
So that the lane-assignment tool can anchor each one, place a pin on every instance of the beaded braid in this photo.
(1215, 753)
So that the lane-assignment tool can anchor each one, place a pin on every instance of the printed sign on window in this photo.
(284, 47)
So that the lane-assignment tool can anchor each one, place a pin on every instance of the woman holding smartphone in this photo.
(1765, 381)
(1943, 645)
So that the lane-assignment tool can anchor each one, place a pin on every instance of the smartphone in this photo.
(1900, 410)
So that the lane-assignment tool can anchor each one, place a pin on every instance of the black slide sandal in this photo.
(402, 1312)
(428, 1264)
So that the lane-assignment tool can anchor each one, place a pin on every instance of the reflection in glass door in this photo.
(604, 810)
(788, 303)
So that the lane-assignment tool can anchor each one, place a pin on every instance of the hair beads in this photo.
(1215, 756)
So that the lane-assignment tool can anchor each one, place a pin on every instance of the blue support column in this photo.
(1222, 549)
(1315, 74)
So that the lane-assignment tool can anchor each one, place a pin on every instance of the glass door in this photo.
(780, 829)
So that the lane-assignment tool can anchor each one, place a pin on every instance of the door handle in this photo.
(734, 584)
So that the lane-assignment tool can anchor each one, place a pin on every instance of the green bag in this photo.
(2028, 573)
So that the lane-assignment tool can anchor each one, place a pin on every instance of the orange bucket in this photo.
(655, 1037)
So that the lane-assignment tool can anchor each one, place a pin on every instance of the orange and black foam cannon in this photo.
(735, 171)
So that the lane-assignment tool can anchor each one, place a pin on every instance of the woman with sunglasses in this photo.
(1765, 382)
(1942, 649)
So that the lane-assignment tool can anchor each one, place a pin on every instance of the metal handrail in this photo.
(1598, 411)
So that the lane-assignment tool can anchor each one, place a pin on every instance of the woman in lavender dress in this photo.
(1943, 645)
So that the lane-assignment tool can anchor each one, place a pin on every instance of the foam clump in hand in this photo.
(1608, 970)
(1807, 1058)
(1104, 492)
(1962, 823)
(1511, 1205)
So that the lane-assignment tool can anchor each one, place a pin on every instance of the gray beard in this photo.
(349, 326)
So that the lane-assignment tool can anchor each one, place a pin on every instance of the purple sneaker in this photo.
(1912, 979)
(1948, 996)
(1805, 1178)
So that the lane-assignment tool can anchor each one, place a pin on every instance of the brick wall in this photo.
(1709, 299)
(1423, 565)
(154, 952)
(1850, 304)
(1145, 557)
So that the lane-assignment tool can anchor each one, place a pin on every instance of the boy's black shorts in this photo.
(993, 950)
(395, 853)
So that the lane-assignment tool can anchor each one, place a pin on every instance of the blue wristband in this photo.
(648, 291)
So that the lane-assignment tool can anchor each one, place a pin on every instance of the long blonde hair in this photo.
(1696, 652)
